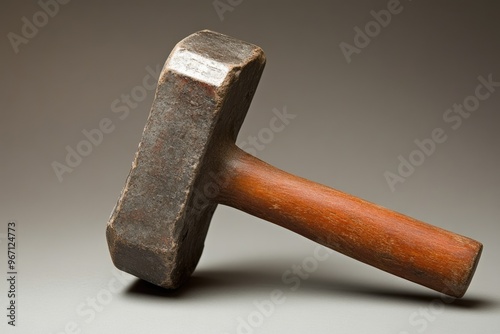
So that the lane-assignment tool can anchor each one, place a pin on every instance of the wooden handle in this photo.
(393, 242)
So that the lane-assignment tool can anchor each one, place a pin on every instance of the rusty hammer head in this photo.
(158, 227)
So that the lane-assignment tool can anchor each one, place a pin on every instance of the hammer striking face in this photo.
(187, 162)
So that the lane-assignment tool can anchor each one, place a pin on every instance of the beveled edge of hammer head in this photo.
(158, 226)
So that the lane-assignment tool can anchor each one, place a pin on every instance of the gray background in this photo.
(352, 122)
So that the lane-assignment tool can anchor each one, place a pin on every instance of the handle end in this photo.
(458, 290)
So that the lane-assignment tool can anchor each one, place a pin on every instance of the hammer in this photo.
(187, 163)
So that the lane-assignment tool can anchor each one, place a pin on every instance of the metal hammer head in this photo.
(158, 226)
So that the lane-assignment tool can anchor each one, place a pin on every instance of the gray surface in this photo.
(352, 121)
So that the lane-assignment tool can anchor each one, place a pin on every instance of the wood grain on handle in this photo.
(419, 252)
